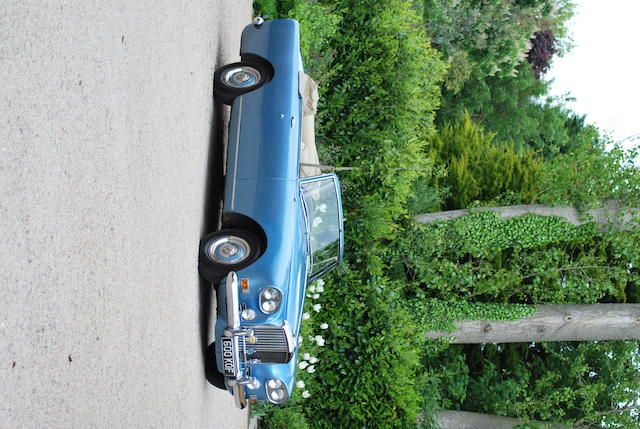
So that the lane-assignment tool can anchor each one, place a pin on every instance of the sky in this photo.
(602, 71)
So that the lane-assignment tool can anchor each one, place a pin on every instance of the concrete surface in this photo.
(106, 120)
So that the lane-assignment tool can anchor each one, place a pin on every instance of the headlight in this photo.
(270, 300)
(277, 391)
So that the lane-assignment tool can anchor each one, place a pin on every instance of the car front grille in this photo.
(270, 345)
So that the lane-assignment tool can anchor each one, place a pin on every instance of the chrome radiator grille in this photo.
(269, 344)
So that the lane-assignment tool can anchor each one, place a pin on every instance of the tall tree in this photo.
(591, 322)
(453, 419)
(612, 212)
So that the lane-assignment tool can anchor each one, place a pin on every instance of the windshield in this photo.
(321, 203)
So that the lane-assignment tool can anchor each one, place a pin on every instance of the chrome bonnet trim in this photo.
(233, 301)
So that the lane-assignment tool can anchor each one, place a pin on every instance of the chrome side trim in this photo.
(235, 160)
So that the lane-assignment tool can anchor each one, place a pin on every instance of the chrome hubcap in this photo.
(228, 250)
(241, 77)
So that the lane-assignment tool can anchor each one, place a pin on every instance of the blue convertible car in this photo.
(282, 221)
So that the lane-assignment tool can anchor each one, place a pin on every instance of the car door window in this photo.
(323, 215)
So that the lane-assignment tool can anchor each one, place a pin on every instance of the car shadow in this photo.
(212, 222)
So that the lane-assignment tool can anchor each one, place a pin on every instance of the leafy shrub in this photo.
(479, 169)
(266, 7)
(580, 382)
(518, 109)
(366, 371)
(494, 36)
(426, 197)
(376, 114)
(318, 23)
(586, 384)
(286, 416)
(275, 9)
(590, 174)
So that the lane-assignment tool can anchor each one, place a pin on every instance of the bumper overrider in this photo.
(241, 347)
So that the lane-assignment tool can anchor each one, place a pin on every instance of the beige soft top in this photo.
(308, 151)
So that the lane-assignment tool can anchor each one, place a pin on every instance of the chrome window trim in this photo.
(312, 179)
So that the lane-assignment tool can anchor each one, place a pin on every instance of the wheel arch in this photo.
(240, 221)
(253, 58)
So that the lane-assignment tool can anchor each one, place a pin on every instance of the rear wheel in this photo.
(236, 79)
(227, 250)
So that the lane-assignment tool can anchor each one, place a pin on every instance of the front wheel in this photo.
(227, 250)
(236, 79)
(214, 377)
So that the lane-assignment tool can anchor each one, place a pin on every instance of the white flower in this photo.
(317, 307)
(317, 221)
(300, 384)
(320, 282)
(306, 394)
(303, 364)
(311, 369)
(315, 296)
(324, 326)
(306, 356)
(305, 316)
(323, 207)
(319, 340)
(313, 359)
(320, 289)
(309, 295)
(311, 288)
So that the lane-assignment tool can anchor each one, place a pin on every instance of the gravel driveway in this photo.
(106, 126)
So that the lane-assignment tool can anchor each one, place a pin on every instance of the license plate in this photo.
(228, 357)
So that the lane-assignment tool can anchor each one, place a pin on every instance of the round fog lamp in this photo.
(254, 384)
(248, 314)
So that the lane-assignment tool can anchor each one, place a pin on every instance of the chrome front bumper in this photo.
(235, 333)
(242, 345)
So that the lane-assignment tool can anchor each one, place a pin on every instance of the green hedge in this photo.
(376, 114)
(379, 89)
